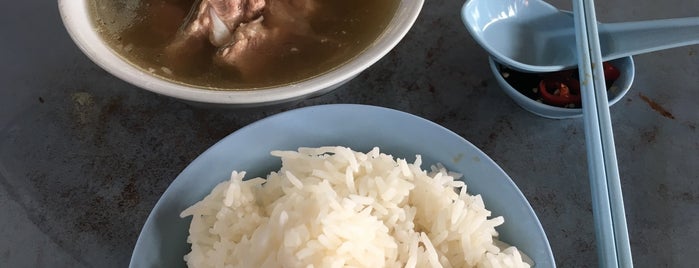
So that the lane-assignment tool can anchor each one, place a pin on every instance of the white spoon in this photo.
(534, 36)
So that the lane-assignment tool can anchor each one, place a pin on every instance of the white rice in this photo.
(334, 207)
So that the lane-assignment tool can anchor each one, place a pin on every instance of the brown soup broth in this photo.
(139, 31)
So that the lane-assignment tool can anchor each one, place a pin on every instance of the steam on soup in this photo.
(240, 44)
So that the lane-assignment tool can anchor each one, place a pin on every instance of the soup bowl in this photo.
(615, 92)
(77, 20)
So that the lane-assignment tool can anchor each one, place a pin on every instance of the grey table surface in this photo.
(84, 156)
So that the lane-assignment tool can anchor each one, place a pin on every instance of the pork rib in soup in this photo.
(241, 44)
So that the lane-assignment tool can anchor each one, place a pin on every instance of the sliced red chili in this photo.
(611, 73)
(560, 92)
(557, 88)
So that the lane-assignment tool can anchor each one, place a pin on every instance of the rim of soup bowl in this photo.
(76, 19)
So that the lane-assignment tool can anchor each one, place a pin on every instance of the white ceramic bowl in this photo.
(163, 239)
(617, 91)
(75, 15)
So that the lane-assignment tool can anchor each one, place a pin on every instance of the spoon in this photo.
(534, 36)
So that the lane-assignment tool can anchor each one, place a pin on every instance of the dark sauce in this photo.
(528, 83)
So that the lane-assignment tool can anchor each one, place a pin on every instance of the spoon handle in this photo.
(623, 39)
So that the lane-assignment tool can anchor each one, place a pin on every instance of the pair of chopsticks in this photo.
(612, 236)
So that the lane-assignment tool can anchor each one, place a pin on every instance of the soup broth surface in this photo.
(140, 30)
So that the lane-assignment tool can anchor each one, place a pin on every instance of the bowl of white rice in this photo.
(324, 186)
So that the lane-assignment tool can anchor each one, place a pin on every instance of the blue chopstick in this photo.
(613, 246)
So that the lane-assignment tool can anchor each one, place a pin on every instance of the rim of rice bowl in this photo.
(162, 241)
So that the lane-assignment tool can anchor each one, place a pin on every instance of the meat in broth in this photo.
(244, 44)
